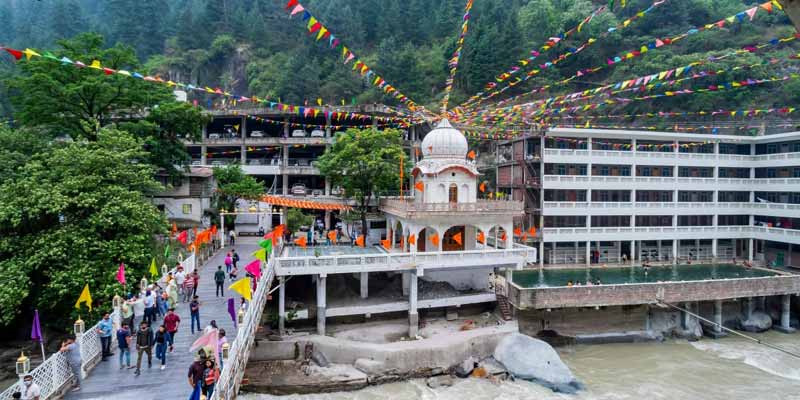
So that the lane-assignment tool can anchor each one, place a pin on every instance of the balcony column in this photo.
(588, 253)
(285, 127)
(203, 151)
(364, 284)
(674, 251)
(619, 252)
(658, 248)
(326, 110)
(327, 187)
(243, 132)
(327, 220)
(321, 278)
(789, 256)
(750, 249)
(633, 251)
(718, 318)
(413, 317)
(285, 184)
(243, 155)
(281, 305)
(786, 314)
(541, 254)
(697, 249)
(577, 251)
(714, 253)
(285, 156)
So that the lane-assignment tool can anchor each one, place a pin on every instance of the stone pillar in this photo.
(675, 251)
(686, 319)
(413, 317)
(327, 220)
(203, 152)
(588, 253)
(406, 283)
(714, 243)
(747, 307)
(786, 316)
(718, 319)
(633, 251)
(541, 253)
(364, 281)
(243, 155)
(321, 304)
(281, 305)
(750, 250)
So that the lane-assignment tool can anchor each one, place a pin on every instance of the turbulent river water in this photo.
(726, 369)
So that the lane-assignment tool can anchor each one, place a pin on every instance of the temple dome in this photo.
(444, 141)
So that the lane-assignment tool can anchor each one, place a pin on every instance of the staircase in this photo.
(504, 306)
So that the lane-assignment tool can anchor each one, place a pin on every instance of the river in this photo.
(726, 369)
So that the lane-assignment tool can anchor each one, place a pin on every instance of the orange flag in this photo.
(412, 240)
(402, 242)
(277, 232)
(482, 187)
(481, 237)
(174, 229)
(360, 241)
(504, 237)
(457, 238)
(435, 239)
(532, 231)
(517, 231)
(332, 236)
(386, 243)
(471, 155)
(524, 237)
(419, 186)
(302, 241)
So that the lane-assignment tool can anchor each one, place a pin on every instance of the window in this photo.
(604, 170)
(187, 209)
(645, 171)
(705, 172)
(796, 147)
(772, 148)
(453, 193)
(625, 170)
(562, 169)
(666, 171)
(582, 170)
(771, 173)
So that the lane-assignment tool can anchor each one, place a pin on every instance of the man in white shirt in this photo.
(30, 390)
(180, 277)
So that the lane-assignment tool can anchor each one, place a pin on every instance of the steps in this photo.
(504, 306)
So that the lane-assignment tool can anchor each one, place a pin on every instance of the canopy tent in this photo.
(307, 204)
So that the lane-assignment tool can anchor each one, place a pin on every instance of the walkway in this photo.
(107, 381)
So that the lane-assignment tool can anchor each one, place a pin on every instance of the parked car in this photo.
(317, 133)
(259, 134)
(298, 133)
(316, 192)
(298, 189)
(214, 135)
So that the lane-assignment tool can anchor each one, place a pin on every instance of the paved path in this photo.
(107, 381)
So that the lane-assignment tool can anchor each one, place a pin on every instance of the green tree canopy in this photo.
(69, 216)
(234, 185)
(364, 162)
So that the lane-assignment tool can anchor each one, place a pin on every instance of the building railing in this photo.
(400, 261)
(671, 155)
(54, 376)
(744, 183)
(672, 232)
(228, 383)
(406, 205)
(583, 206)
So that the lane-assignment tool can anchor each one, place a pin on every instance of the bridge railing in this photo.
(54, 376)
(227, 386)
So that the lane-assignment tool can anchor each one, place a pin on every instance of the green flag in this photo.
(266, 244)
(166, 251)
(153, 268)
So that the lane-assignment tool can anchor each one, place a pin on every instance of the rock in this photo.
(465, 368)
(532, 359)
(758, 322)
(439, 381)
(370, 367)
(319, 358)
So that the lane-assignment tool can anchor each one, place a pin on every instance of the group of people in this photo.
(589, 282)
(231, 268)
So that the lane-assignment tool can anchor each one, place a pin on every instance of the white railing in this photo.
(409, 206)
(671, 232)
(668, 207)
(400, 261)
(227, 386)
(658, 155)
(54, 375)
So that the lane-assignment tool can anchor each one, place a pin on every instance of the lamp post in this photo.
(79, 327)
(23, 367)
(226, 348)
(240, 316)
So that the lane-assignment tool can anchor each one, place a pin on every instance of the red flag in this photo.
(291, 4)
(183, 237)
(16, 53)
(121, 274)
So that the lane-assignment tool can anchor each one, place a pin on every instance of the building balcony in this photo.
(405, 207)
(668, 183)
(261, 141)
(670, 208)
(568, 156)
(669, 233)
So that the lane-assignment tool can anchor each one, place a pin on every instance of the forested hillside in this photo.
(252, 46)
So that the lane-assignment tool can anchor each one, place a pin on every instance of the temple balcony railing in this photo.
(406, 207)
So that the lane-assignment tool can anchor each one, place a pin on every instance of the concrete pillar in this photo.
(748, 305)
(364, 281)
(327, 220)
(619, 252)
(285, 156)
(321, 304)
(577, 252)
(406, 283)
(685, 316)
(413, 317)
(750, 250)
(633, 251)
(541, 253)
(789, 256)
(762, 303)
(718, 317)
(281, 305)
(285, 127)
(243, 155)
(786, 316)
(327, 187)
(284, 214)
(714, 248)
(588, 253)
(285, 184)
(675, 251)
(203, 151)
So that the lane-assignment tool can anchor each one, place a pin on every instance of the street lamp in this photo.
(226, 348)
(143, 284)
(79, 327)
(252, 209)
(116, 302)
(240, 316)
(23, 365)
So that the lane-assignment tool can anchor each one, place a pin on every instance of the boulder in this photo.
(319, 358)
(439, 381)
(758, 322)
(532, 359)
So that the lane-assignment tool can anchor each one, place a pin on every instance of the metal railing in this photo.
(228, 383)
(54, 375)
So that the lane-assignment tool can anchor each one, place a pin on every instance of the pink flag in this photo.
(121, 274)
(210, 339)
(297, 9)
(254, 268)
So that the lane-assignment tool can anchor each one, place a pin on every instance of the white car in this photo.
(213, 135)
(316, 192)
(298, 189)
(298, 133)
(257, 134)
(317, 133)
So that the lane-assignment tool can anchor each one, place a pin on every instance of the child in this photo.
(232, 274)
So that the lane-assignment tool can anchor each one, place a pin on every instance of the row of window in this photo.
(667, 196)
(666, 146)
(603, 221)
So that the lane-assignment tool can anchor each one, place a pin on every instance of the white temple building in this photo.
(443, 233)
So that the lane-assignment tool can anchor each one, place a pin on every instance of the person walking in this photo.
(188, 288)
(124, 345)
(172, 322)
(219, 279)
(196, 372)
(180, 278)
(162, 340)
(144, 344)
(196, 277)
(234, 272)
(221, 341)
(228, 262)
(30, 390)
(138, 311)
(172, 295)
(72, 350)
(104, 330)
(232, 237)
(149, 302)
(127, 313)
(235, 258)
(210, 376)
(194, 309)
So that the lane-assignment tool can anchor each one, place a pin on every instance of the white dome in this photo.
(444, 141)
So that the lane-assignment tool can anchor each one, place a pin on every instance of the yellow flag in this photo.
(260, 254)
(85, 297)
(153, 268)
(319, 101)
(242, 286)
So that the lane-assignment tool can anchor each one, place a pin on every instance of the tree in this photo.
(296, 218)
(364, 162)
(72, 213)
(234, 185)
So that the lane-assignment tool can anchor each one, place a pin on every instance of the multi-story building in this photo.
(185, 198)
(614, 195)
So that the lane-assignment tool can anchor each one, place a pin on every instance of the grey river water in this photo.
(726, 369)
